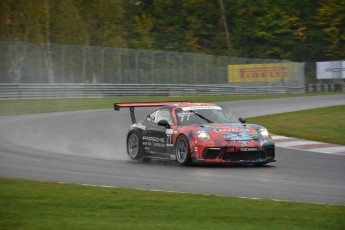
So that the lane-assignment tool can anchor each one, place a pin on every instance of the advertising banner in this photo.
(259, 72)
(330, 70)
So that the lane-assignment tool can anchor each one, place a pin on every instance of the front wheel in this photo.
(133, 147)
(182, 151)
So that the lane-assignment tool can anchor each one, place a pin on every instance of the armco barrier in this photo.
(45, 91)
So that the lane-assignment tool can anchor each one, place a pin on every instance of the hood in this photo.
(232, 131)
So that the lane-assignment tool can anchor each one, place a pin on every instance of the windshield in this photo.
(203, 114)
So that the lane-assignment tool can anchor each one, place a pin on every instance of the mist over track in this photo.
(89, 147)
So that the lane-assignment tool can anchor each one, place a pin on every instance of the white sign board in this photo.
(330, 70)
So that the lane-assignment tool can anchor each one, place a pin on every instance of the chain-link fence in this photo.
(55, 63)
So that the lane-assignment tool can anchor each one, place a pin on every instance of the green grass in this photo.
(322, 124)
(18, 107)
(42, 205)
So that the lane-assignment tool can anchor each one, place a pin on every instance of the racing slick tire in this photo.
(134, 149)
(182, 151)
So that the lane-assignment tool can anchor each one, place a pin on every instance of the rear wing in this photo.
(132, 105)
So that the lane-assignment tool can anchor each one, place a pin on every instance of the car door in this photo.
(160, 136)
(148, 140)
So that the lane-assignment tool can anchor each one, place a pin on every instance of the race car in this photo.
(196, 132)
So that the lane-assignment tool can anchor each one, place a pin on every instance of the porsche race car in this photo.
(196, 132)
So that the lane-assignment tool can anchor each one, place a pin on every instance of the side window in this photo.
(164, 114)
(153, 117)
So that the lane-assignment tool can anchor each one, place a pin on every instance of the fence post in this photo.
(137, 80)
(194, 68)
(102, 65)
(63, 68)
(120, 65)
(181, 68)
(207, 69)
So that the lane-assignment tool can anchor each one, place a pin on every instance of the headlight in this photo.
(203, 135)
(264, 132)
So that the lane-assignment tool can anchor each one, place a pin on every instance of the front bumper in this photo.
(235, 155)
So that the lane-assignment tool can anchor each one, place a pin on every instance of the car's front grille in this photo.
(233, 154)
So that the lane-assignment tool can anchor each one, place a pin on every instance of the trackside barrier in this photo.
(45, 91)
(324, 88)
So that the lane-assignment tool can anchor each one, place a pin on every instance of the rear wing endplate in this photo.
(132, 105)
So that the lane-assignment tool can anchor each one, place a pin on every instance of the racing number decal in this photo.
(169, 133)
(184, 116)
(169, 140)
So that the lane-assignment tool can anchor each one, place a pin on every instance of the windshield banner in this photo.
(201, 108)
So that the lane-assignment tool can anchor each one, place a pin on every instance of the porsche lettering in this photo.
(154, 139)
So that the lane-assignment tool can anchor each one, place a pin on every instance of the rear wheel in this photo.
(133, 147)
(182, 151)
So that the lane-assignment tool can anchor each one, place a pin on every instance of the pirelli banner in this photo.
(262, 72)
(330, 70)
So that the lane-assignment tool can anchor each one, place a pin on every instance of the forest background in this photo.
(296, 30)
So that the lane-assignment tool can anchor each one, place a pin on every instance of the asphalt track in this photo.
(88, 147)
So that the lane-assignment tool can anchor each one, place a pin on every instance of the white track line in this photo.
(192, 193)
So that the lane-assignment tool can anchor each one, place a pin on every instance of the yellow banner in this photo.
(258, 72)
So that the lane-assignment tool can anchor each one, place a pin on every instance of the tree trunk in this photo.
(226, 29)
(47, 50)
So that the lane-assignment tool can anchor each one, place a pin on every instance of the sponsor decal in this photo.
(257, 73)
(261, 72)
(229, 130)
(154, 139)
(334, 69)
(158, 145)
(172, 156)
(249, 149)
(330, 70)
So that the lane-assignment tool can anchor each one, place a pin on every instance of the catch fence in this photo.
(22, 62)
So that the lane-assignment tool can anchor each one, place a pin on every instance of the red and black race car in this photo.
(196, 132)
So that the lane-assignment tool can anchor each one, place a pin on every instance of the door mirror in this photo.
(242, 120)
(164, 123)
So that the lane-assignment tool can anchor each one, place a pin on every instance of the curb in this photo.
(311, 146)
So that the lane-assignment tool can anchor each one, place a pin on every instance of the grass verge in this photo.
(321, 124)
(18, 107)
(42, 205)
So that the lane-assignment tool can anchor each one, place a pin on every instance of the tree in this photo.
(66, 25)
(204, 28)
(331, 18)
(169, 26)
(260, 30)
(226, 29)
(306, 38)
(103, 21)
(23, 21)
